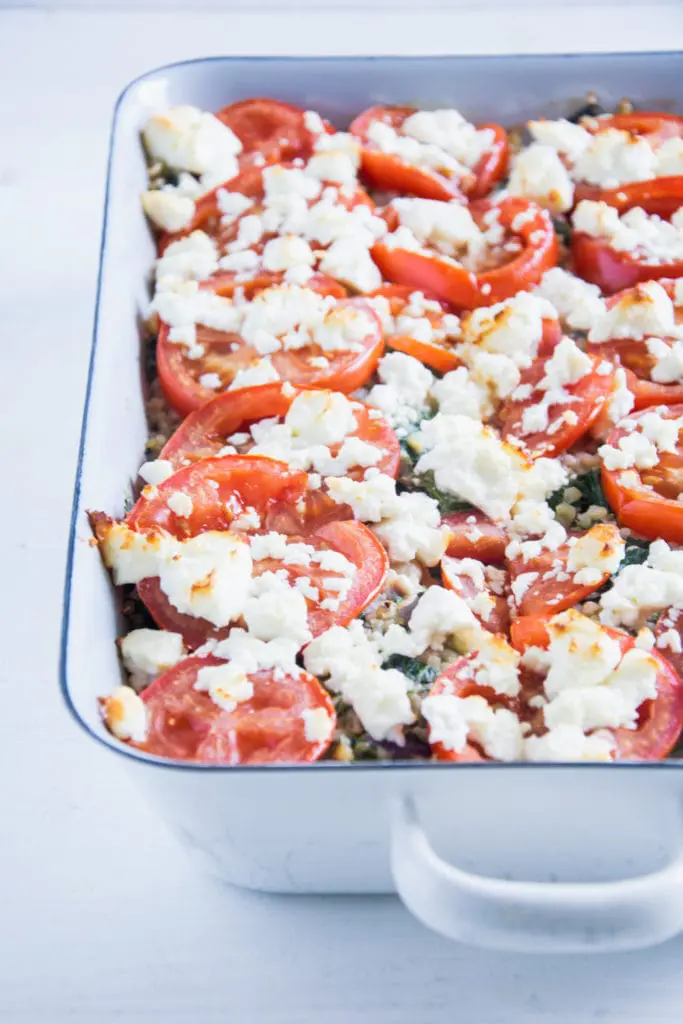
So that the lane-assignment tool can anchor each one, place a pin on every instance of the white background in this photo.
(101, 917)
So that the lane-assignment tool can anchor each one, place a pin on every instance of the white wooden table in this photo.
(101, 917)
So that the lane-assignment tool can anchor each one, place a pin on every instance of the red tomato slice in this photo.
(633, 355)
(275, 493)
(550, 593)
(495, 617)
(661, 196)
(465, 289)
(457, 681)
(186, 725)
(474, 535)
(390, 172)
(351, 539)
(660, 721)
(590, 395)
(204, 432)
(671, 621)
(596, 261)
(225, 354)
(208, 216)
(439, 355)
(275, 130)
(651, 508)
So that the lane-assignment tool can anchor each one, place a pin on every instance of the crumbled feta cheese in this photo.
(146, 653)
(287, 252)
(601, 548)
(643, 310)
(188, 139)
(207, 576)
(348, 260)
(577, 302)
(651, 238)
(318, 725)
(640, 590)
(539, 174)
(126, 715)
(181, 504)
(193, 258)
(276, 609)
(403, 393)
(157, 471)
(227, 685)
(261, 371)
(453, 720)
(569, 743)
(168, 211)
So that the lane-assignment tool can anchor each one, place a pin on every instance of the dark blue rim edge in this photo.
(119, 747)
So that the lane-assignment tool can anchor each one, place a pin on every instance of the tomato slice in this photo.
(456, 681)
(596, 261)
(492, 612)
(660, 196)
(671, 621)
(352, 539)
(439, 355)
(549, 592)
(390, 172)
(225, 354)
(205, 431)
(279, 496)
(636, 359)
(537, 251)
(186, 725)
(474, 535)
(589, 395)
(649, 506)
(660, 721)
(275, 130)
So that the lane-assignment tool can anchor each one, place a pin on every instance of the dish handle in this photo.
(531, 917)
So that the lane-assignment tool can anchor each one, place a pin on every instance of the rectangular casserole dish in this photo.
(567, 857)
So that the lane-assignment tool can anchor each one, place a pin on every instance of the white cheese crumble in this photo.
(188, 139)
(146, 653)
(318, 725)
(578, 303)
(539, 174)
(126, 715)
(640, 590)
(227, 685)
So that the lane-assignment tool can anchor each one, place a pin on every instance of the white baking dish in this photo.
(550, 845)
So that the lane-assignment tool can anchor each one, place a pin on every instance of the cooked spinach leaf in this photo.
(591, 492)
(563, 229)
(589, 109)
(420, 674)
(635, 553)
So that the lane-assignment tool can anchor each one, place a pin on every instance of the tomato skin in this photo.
(275, 130)
(660, 720)
(179, 376)
(644, 509)
(591, 394)
(489, 547)
(529, 631)
(352, 539)
(660, 196)
(672, 619)
(389, 172)
(551, 596)
(498, 619)
(464, 289)
(596, 261)
(203, 433)
(185, 724)
(432, 353)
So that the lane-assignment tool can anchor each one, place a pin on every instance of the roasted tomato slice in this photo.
(419, 327)
(277, 496)
(482, 588)
(527, 229)
(269, 727)
(561, 424)
(661, 196)
(639, 355)
(669, 633)
(647, 500)
(596, 261)
(392, 172)
(274, 130)
(210, 218)
(660, 721)
(545, 585)
(208, 429)
(457, 681)
(189, 382)
(474, 535)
